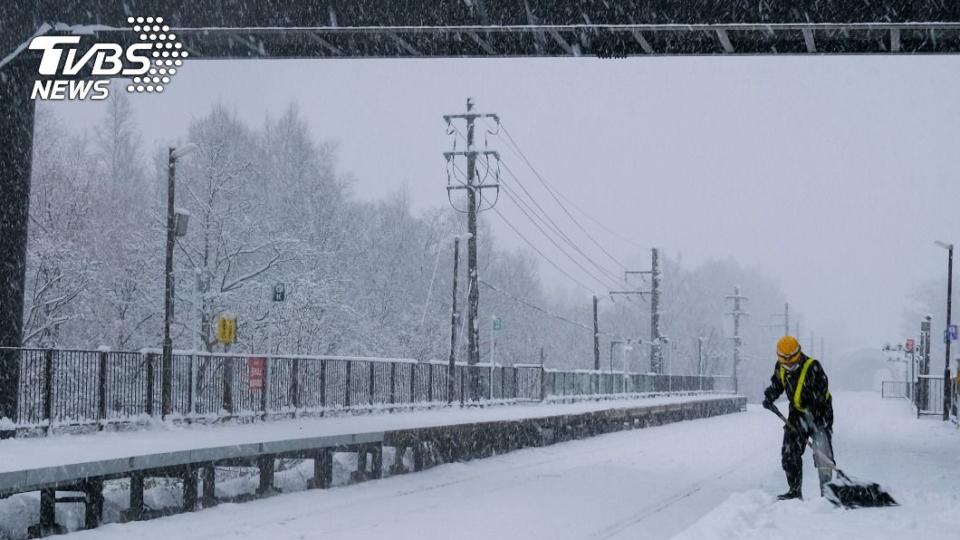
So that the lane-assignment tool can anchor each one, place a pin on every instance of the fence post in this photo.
(48, 388)
(413, 380)
(503, 377)
(516, 387)
(149, 402)
(295, 384)
(463, 389)
(227, 384)
(347, 393)
(430, 384)
(192, 396)
(102, 390)
(323, 383)
(373, 371)
(393, 382)
(490, 383)
(265, 391)
(543, 383)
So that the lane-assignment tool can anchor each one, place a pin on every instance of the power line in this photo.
(557, 228)
(550, 190)
(544, 257)
(548, 237)
(548, 221)
(520, 205)
(545, 311)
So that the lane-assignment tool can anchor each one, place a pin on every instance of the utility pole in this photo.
(596, 337)
(946, 333)
(737, 314)
(474, 190)
(923, 400)
(656, 337)
(786, 319)
(700, 356)
(656, 350)
(454, 320)
(166, 387)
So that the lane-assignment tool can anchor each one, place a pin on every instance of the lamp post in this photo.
(626, 377)
(700, 340)
(946, 366)
(176, 226)
(613, 344)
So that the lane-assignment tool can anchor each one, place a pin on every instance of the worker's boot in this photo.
(826, 475)
(795, 481)
(793, 493)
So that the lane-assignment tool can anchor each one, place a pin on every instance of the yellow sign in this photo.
(226, 329)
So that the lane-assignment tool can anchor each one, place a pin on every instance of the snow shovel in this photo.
(843, 490)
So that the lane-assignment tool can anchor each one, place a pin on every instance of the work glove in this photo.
(768, 404)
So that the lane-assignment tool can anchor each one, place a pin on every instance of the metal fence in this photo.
(929, 395)
(895, 389)
(61, 387)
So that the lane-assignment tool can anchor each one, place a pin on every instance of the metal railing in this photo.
(929, 395)
(895, 389)
(60, 387)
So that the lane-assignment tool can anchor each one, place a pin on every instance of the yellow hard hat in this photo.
(788, 350)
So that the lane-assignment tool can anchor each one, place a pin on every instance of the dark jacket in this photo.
(814, 395)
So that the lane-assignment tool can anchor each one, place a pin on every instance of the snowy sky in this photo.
(833, 175)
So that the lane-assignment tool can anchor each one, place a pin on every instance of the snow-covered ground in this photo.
(704, 479)
(878, 440)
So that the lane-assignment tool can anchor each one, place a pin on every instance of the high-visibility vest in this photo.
(803, 377)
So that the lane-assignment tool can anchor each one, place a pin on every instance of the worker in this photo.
(811, 414)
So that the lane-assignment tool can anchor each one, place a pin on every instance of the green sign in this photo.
(497, 323)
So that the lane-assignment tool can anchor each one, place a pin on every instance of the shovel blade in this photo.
(849, 493)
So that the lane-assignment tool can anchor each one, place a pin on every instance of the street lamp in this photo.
(946, 334)
(176, 226)
(613, 343)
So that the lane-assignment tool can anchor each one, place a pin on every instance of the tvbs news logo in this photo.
(149, 64)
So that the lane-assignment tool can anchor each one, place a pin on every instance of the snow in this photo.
(20, 454)
(877, 440)
(704, 479)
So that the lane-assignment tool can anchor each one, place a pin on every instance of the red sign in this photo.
(908, 346)
(256, 366)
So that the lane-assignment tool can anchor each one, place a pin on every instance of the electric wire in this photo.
(545, 311)
(556, 228)
(554, 193)
(552, 263)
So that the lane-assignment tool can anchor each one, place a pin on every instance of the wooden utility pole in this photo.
(786, 319)
(737, 314)
(474, 198)
(656, 351)
(656, 337)
(454, 320)
(596, 337)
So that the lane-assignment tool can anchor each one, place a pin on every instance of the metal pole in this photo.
(613, 344)
(16, 115)
(656, 351)
(493, 347)
(454, 319)
(786, 319)
(700, 361)
(473, 330)
(913, 377)
(166, 386)
(596, 337)
(946, 365)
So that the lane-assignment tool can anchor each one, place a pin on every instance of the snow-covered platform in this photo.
(84, 462)
(703, 480)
